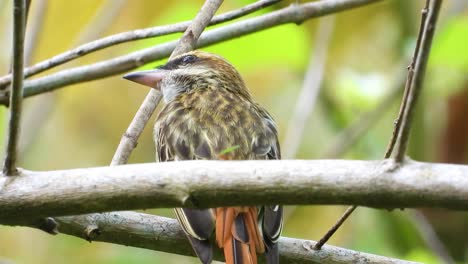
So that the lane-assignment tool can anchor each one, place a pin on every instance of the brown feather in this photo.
(219, 231)
(228, 238)
(228, 251)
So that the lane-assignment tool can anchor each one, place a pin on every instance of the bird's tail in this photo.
(238, 234)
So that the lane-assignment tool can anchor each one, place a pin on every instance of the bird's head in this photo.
(191, 71)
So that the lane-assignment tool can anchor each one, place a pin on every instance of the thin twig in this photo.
(412, 89)
(19, 13)
(332, 230)
(34, 115)
(410, 68)
(420, 63)
(310, 88)
(292, 14)
(132, 36)
(104, 16)
(26, 15)
(186, 43)
(34, 29)
(429, 236)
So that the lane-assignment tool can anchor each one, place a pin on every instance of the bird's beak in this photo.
(149, 78)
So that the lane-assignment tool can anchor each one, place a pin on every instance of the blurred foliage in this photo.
(369, 48)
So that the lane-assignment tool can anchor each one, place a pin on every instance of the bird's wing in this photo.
(271, 217)
(197, 224)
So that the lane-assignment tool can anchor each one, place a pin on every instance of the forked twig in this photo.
(418, 67)
(16, 97)
(413, 87)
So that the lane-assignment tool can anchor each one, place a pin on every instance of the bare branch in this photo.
(33, 30)
(334, 228)
(418, 67)
(132, 36)
(105, 15)
(310, 88)
(164, 234)
(292, 14)
(208, 184)
(186, 43)
(428, 234)
(19, 17)
(412, 89)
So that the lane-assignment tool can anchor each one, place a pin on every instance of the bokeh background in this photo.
(368, 51)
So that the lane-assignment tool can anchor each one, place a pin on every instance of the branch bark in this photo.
(201, 184)
(19, 16)
(164, 234)
(292, 14)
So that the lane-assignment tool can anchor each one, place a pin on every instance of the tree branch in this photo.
(102, 19)
(429, 235)
(33, 31)
(164, 234)
(417, 70)
(412, 89)
(19, 16)
(131, 36)
(310, 88)
(203, 184)
(292, 14)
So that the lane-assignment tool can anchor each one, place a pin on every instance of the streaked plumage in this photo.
(210, 114)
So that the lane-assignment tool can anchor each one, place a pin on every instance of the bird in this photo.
(209, 114)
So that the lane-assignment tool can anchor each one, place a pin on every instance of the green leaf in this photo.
(229, 150)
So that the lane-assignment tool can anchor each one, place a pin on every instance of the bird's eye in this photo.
(188, 59)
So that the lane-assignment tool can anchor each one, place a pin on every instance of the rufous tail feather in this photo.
(238, 235)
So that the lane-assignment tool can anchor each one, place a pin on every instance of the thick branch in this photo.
(164, 234)
(380, 184)
(292, 14)
(131, 36)
(19, 15)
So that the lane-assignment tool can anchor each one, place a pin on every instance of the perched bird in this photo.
(209, 114)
